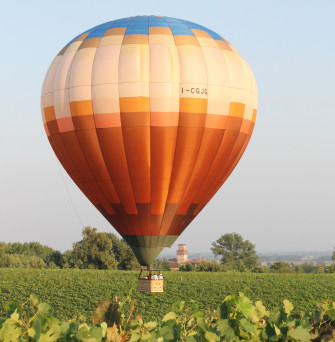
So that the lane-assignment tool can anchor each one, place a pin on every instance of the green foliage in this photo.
(94, 251)
(70, 291)
(188, 267)
(236, 319)
(162, 264)
(281, 267)
(310, 268)
(330, 269)
(209, 266)
(236, 254)
(28, 255)
(261, 269)
(123, 253)
(20, 260)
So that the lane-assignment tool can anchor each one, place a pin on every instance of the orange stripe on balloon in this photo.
(254, 114)
(201, 33)
(164, 118)
(222, 45)
(90, 43)
(46, 129)
(192, 105)
(116, 164)
(79, 108)
(162, 149)
(210, 145)
(251, 128)
(117, 31)
(245, 127)
(165, 31)
(50, 113)
(53, 127)
(65, 124)
(185, 40)
(135, 104)
(136, 39)
(236, 109)
(216, 121)
(107, 120)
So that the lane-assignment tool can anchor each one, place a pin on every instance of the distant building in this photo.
(174, 265)
(182, 258)
(182, 253)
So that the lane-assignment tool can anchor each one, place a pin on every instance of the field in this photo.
(78, 291)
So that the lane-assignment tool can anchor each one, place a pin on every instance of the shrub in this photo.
(236, 319)
(209, 266)
(188, 267)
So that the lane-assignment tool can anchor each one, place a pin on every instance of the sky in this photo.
(281, 195)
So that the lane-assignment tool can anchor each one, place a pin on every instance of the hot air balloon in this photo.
(149, 115)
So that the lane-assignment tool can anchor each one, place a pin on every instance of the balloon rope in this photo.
(68, 193)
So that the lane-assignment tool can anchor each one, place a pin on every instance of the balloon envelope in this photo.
(149, 115)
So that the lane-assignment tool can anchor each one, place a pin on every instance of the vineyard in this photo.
(70, 292)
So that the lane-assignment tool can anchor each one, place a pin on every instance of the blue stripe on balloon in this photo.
(139, 25)
(194, 26)
(98, 31)
(157, 22)
(178, 27)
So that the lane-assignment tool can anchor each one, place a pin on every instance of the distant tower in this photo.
(182, 253)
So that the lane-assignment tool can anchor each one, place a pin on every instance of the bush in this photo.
(188, 267)
(281, 267)
(261, 269)
(236, 319)
(20, 260)
(209, 266)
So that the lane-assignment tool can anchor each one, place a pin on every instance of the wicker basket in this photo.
(150, 285)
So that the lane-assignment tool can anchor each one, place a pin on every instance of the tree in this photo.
(188, 267)
(333, 255)
(123, 254)
(162, 264)
(55, 258)
(261, 269)
(209, 266)
(95, 250)
(309, 268)
(236, 254)
(281, 267)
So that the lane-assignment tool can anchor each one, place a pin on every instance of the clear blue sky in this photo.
(281, 196)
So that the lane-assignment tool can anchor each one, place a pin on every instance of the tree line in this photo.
(240, 255)
(94, 251)
(98, 250)
(276, 267)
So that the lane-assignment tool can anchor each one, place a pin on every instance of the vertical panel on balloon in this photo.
(60, 141)
(57, 145)
(193, 109)
(105, 95)
(239, 148)
(226, 146)
(61, 94)
(164, 107)
(217, 106)
(233, 141)
(75, 152)
(135, 120)
(83, 120)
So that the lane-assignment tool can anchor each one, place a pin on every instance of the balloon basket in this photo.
(147, 284)
(150, 285)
